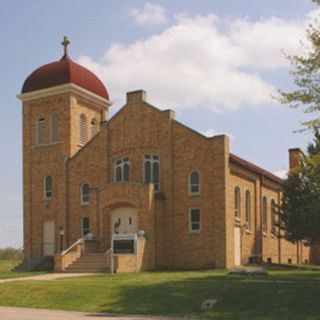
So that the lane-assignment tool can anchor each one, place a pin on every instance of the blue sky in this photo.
(216, 63)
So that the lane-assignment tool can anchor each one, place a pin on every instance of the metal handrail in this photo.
(72, 246)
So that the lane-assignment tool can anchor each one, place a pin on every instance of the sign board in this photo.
(123, 244)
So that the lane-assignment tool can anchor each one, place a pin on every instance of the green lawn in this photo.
(280, 295)
(7, 265)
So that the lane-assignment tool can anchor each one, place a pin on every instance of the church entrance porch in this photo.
(128, 225)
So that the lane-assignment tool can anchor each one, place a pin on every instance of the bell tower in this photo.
(63, 105)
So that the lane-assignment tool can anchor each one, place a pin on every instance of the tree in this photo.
(10, 253)
(306, 76)
(300, 211)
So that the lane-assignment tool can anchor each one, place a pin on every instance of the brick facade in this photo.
(164, 216)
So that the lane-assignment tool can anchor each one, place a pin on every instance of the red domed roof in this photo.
(62, 72)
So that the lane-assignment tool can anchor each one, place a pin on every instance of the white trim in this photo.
(190, 193)
(65, 88)
(190, 222)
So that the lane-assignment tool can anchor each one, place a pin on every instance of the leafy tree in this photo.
(300, 211)
(306, 76)
(10, 253)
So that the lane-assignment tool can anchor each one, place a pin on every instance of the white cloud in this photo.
(212, 132)
(202, 61)
(282, 173)
(151, 13)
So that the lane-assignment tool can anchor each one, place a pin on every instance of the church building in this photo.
(138, 191)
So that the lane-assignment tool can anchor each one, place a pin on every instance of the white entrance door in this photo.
(124, 221)
(48, 238)
(237, 246)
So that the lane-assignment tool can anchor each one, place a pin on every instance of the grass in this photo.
(7, 265)
(290, 294)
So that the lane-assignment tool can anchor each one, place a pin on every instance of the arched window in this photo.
(126, 170)
(248, 210)
(122, 170)
(273, 216)
(41, 131)
(83, 130)
(194, 182)
(47, 187)
(237, 203)
(264, 214)
(152, 170)
(85, 190)
(94, 127)
(55, 124)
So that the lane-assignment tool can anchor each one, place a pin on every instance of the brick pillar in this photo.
(295, 158)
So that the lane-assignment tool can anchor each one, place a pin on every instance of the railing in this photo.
(68, 256)
(109, 259)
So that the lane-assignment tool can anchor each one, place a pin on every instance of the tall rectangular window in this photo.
(55, 124)
(151, 165)
(85, 226)
(47, 187)
(264, 214)
(194, 220)
(122, 170)
(237, 203)
(248, 210)
(41, 131)
(273, 216)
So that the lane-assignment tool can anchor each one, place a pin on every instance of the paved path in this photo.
(8, 313)
(46, 277)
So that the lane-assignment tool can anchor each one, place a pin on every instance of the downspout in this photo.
(67, 235)
(261, 222)
(279, 233)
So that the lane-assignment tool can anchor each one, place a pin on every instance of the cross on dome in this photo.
(65, 44)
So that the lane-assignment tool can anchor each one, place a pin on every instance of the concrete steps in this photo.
(89, 263)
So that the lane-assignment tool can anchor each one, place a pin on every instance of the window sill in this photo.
(194, 232)
(193, 195)
(237, 219)
(85, 204)
(248, 232)
(45, 145)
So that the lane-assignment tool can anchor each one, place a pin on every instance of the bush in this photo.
(10, 253)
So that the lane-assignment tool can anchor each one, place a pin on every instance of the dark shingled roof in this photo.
(252, 167)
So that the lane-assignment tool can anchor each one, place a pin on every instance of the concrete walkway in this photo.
(48, 277)
(8, 313)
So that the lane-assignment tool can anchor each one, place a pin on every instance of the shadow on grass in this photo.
(237, 299)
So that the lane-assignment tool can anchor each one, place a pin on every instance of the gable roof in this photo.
(254, 168)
